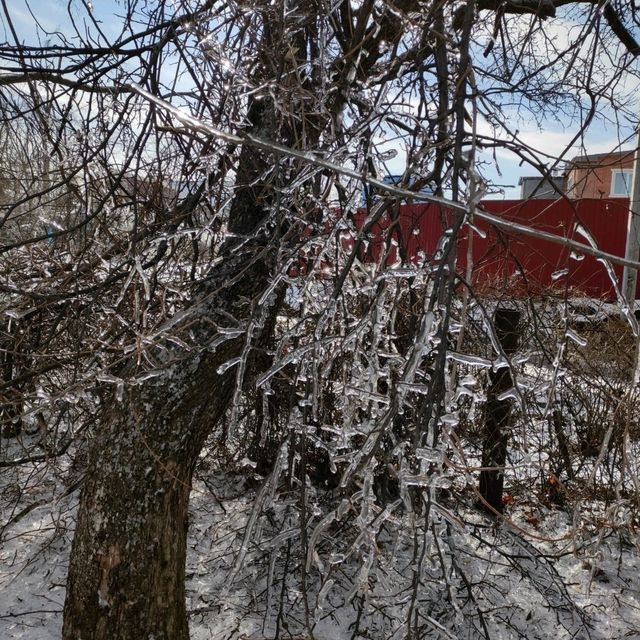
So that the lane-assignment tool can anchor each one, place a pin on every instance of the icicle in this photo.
(561, 273)
(579, 340)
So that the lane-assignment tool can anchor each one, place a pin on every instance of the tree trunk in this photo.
(10, 396)
(126, 576)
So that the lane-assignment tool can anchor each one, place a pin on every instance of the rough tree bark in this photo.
(130, 540)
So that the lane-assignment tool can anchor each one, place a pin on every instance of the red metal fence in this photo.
(507, 261)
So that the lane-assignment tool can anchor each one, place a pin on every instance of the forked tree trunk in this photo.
(126, 576)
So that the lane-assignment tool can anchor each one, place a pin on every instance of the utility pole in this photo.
(630, 276)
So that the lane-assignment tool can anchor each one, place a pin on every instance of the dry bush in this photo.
(610, 348)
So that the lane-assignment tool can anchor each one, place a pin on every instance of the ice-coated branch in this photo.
(315, 158)
(547, 9)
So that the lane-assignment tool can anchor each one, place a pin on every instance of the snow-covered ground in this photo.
(545, 572)
(563, 563)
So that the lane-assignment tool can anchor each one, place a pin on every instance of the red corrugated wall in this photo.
(506, 261)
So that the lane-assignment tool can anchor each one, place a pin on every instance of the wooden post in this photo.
(498, 412)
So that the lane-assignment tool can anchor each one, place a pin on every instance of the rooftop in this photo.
(597, 158)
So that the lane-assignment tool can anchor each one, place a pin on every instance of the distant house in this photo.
(600, 175)
(538, 187)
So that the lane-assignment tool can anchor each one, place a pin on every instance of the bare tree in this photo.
(204, 153)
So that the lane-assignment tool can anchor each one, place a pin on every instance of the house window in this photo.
(621, 182)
